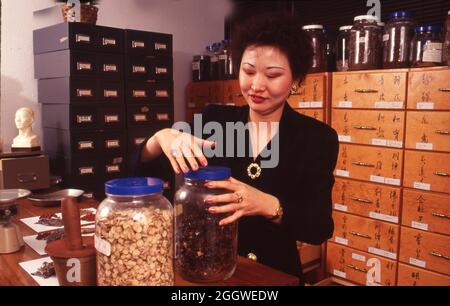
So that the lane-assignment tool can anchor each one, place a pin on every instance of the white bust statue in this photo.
(26, 138)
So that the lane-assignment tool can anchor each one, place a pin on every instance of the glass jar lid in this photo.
(429, 28)
(345, 28)
(209, 173)
(134, 186)
(400, 14)
(366, 17)
(313, 27)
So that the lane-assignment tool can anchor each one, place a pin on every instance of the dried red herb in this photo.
(46, 270)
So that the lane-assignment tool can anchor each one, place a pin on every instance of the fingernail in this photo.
(195, 167)
(185, 170)
(208, 184)
(221, 223)
(208, 200)
(212, 209)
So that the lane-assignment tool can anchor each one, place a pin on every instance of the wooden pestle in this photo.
(72, 226)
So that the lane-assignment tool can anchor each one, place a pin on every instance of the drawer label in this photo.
(304, 104)
(113, 169)
(359, 257)
(383, 104)
(161, 70)
(84, 119)
(424, 146)
(138, 141)
(383, 217)
(392, 181)
(345, 138)
(339, 273)
(139, 69)
(117, 160)
(379, 142)
(394, 143)
(86, 170)
(84, 66)
(423, 186)
(162, 116)
(137, 44)
(160, 46)
(115, 143)
(162, 93)
(377, 179)
(372, 284)
(84, 93)
(85, 145)
(417, 262)
(110, 93)
(340, 207)
(82, 38)
(343, 173)
(425, 105)
(109, 68)
(316, 104)
(381, 252)
(103, 246)
(139, 94)
(341, 240)
(108, 41)
(140, 118)
(111, 118)
(346, 104)
(419, 225)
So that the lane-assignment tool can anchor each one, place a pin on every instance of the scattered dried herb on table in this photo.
(46, 270)
(50, 220)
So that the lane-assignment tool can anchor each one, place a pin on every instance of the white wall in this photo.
(193, 23)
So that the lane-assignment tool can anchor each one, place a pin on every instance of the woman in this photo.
(275, 206)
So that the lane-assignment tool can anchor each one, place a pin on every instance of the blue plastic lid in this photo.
(209, 173)
(429, 28)
(401, 14)
(134, 186)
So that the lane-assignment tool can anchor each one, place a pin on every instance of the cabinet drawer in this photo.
(114, 167)
(317, 114)
(311, 93)
(429, 89)
(380, 165)
(200, 94)
(385, 90)
(381, 128)
(144, 114)
(232, 93)
(110, 66)
(109, 40)
(360, 267)
(412, 276)
(367, 200)
(110, 91)
(376, 237)
(427, 171)
(426, 211)
(428, 131)
(148, 43)
(145, 92)
(425, 250)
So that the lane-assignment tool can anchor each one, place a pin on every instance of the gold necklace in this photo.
(254, 171)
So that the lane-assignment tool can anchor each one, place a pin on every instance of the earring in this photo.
(294, 89)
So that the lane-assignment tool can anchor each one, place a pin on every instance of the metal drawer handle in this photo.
(440, 215)
(436, 254)
(363, 127)
(442, 132)
(357, 269)
(366, 90)
(360, 235)
(444, 89)
(363, 164)
(444, 174)
(361, 200)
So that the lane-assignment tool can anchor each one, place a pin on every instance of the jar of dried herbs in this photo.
(205, 251)
(365, 44)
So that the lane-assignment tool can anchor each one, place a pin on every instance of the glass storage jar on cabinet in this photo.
(205, 251)
(426, 48)
(134, 234)
(343, 48)
(365, 44)
(397, 38)
(318, 42)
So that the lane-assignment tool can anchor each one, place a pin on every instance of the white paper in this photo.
(383, 217)
(341, 240)
(339, 273)
(359, 257)
(417, 262)
(33, 265)
(394, 143)
(382, 253)
(340, 207)
(425, 105)
(392, 181)
(342, 173)
(345, 138)
(39, 228)
(423, 186)
(345, 104)
(376, 179)
(424, 146)
(419, 225)
(304, 104)
(316, 104)
(384, 104)
(379, 142)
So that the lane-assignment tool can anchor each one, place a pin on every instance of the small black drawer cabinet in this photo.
(103, 91)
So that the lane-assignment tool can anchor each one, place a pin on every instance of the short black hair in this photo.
(280, 30)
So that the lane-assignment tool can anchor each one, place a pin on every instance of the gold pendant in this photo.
(256, 173)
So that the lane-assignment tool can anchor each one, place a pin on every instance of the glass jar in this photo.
(214, 62)
(205, 251)
(226, 61)
(365, 44)
(397, 38)
(318, 43)
(343, 47)
(200, 68)
(426, 50)
(446, 50)
(134, 234)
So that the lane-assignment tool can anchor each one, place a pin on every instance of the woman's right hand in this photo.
(182, 149)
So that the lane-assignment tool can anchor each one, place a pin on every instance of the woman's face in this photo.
(265, 78)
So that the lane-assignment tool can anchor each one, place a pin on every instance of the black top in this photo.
(302, 182)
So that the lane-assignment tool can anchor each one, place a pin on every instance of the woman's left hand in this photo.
(244, 200)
